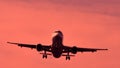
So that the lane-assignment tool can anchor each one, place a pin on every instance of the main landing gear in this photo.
(44, 55)
(68, 56)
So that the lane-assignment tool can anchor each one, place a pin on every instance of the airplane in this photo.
(57, 48)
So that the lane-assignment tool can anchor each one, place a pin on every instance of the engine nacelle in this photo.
(74, 50)
(39, 47)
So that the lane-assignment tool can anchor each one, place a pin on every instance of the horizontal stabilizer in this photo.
(67, 55)
(46, 53)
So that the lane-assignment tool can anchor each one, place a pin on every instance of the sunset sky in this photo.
(84, 23)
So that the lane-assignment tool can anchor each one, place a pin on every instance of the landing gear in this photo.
(68, 56)
(44, 55)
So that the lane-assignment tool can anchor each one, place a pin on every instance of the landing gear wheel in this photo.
(67, 57)
(44, 56)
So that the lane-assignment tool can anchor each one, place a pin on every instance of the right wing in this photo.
(39, 47)
(75, 49)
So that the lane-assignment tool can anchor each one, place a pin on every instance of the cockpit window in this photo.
(59, 32)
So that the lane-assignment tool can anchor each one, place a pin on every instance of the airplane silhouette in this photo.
(57, 49)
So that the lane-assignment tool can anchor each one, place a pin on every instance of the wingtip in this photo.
(102, 49)
(8, 42)
(11, 43)
(105, 49)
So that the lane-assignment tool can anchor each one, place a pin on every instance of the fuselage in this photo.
(57, 44)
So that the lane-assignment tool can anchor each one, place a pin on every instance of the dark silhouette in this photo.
(57, 48)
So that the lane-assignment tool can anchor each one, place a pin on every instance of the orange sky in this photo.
(84, 23)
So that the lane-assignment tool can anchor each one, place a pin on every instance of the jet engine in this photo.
(74, 50)
(39, 47)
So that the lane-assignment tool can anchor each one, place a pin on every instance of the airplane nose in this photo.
(56, 55)
(54, 34)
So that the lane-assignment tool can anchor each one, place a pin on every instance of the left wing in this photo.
(75, 49)
(39, 47)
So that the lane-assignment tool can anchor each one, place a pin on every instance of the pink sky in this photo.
(94, 24)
